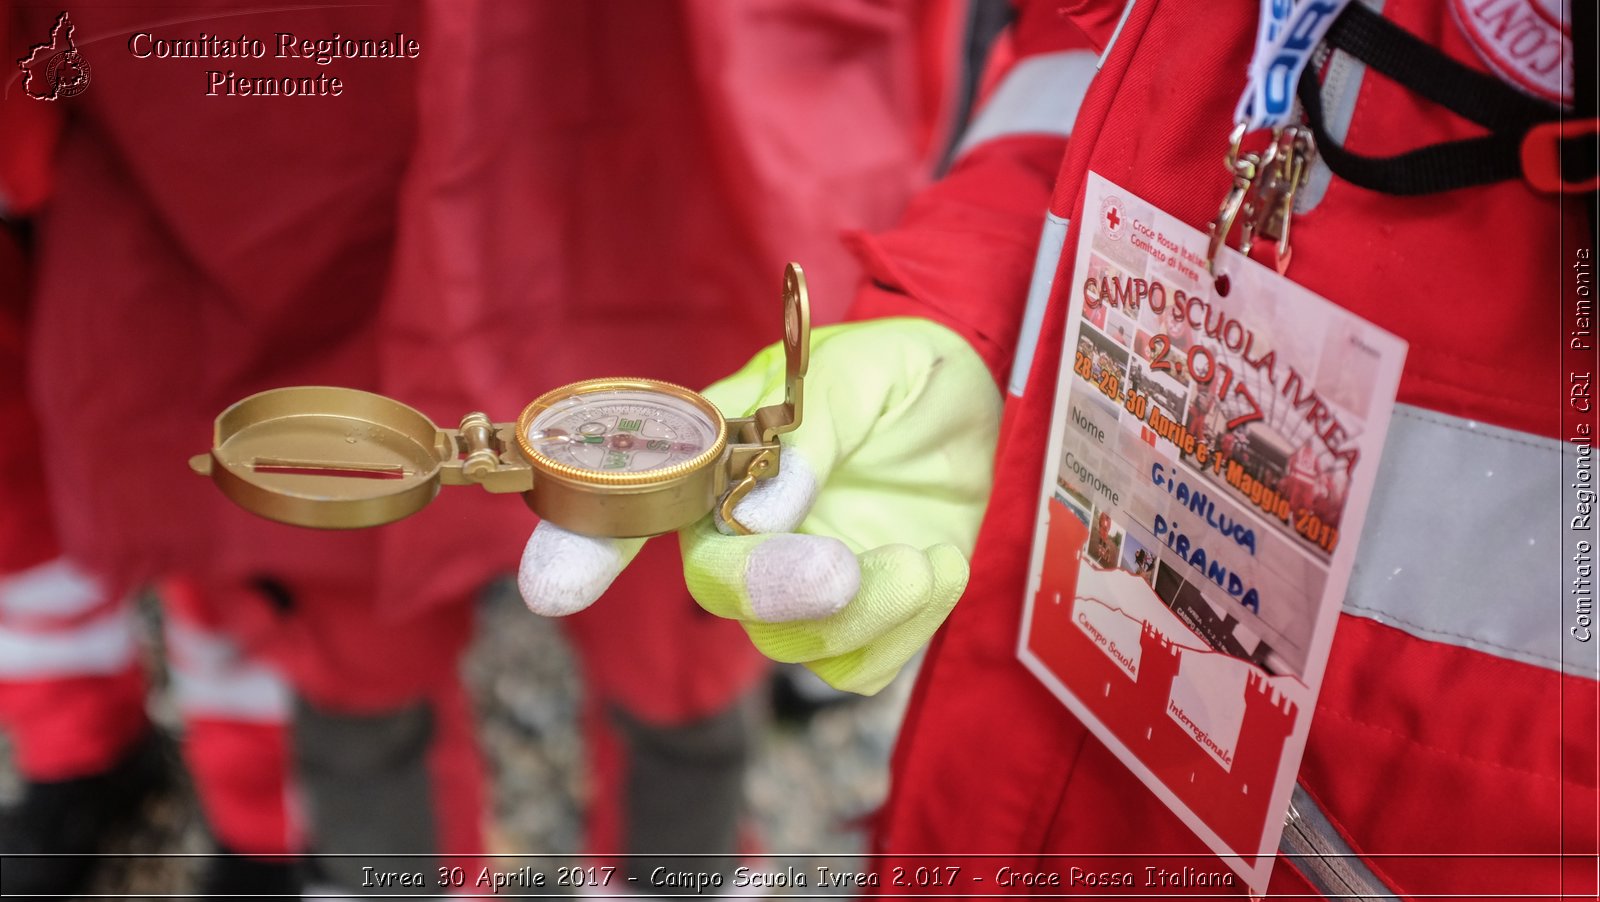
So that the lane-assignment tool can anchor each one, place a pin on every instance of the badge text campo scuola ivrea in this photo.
(1171, 351)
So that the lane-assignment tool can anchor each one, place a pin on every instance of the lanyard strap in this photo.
(1527, 138)
(1287, 35)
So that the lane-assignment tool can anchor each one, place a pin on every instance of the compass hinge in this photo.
(484, 453)
(745, 444)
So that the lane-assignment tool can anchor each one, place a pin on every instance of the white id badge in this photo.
(1210, 462)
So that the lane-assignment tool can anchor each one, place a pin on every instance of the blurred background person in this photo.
(546, 192)
(71, 683)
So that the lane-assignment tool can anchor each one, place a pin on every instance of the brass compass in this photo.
(603, 457)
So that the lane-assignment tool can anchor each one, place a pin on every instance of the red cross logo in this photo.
(1111, 216)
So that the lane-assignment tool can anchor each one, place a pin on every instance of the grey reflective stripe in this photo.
(55, 589)
(212, 676)
(1045, 260)
(254, 694)
(1464, 542)
(1127, 8)
(1341, 83)
(1320, 854)
(104, 645)
(1039, 96)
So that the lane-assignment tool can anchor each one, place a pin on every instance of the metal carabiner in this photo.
(1243, 168)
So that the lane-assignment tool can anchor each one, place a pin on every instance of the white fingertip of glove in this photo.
(800, 577)
(780, 503)
(562, 572)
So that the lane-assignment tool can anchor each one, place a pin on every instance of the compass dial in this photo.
(621, 431)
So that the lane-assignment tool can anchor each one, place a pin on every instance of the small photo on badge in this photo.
(1075, 497)
(1166, 393)
(1109, 288)
(1317, 483)
(1105, 541)
(1215, 622)
(1167, 352)
(1138, 560)
(1204, 420)
(1260, 451)
(1103, 353)
(1118, 328)
(1142, 346)
(1095, 315)
(1148, 349)
(1074, 501)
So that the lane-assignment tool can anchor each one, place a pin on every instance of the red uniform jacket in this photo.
(1447, 725)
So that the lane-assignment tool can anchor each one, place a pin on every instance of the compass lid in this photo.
(776, 419)
(333, 458)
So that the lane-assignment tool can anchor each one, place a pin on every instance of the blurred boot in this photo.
(47, 841)
(390, 794)
(683, 796)
(798, 695)
(241, 879)
(72, 701)
(235, 708)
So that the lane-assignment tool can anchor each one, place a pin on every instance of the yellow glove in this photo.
(862, 537)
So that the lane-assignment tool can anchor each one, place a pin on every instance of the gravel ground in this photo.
(806, 788)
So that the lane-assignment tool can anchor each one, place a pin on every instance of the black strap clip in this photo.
(1527, 139)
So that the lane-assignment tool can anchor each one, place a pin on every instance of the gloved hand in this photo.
(861, 539)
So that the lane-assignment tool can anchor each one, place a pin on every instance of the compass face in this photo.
(621, 431)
